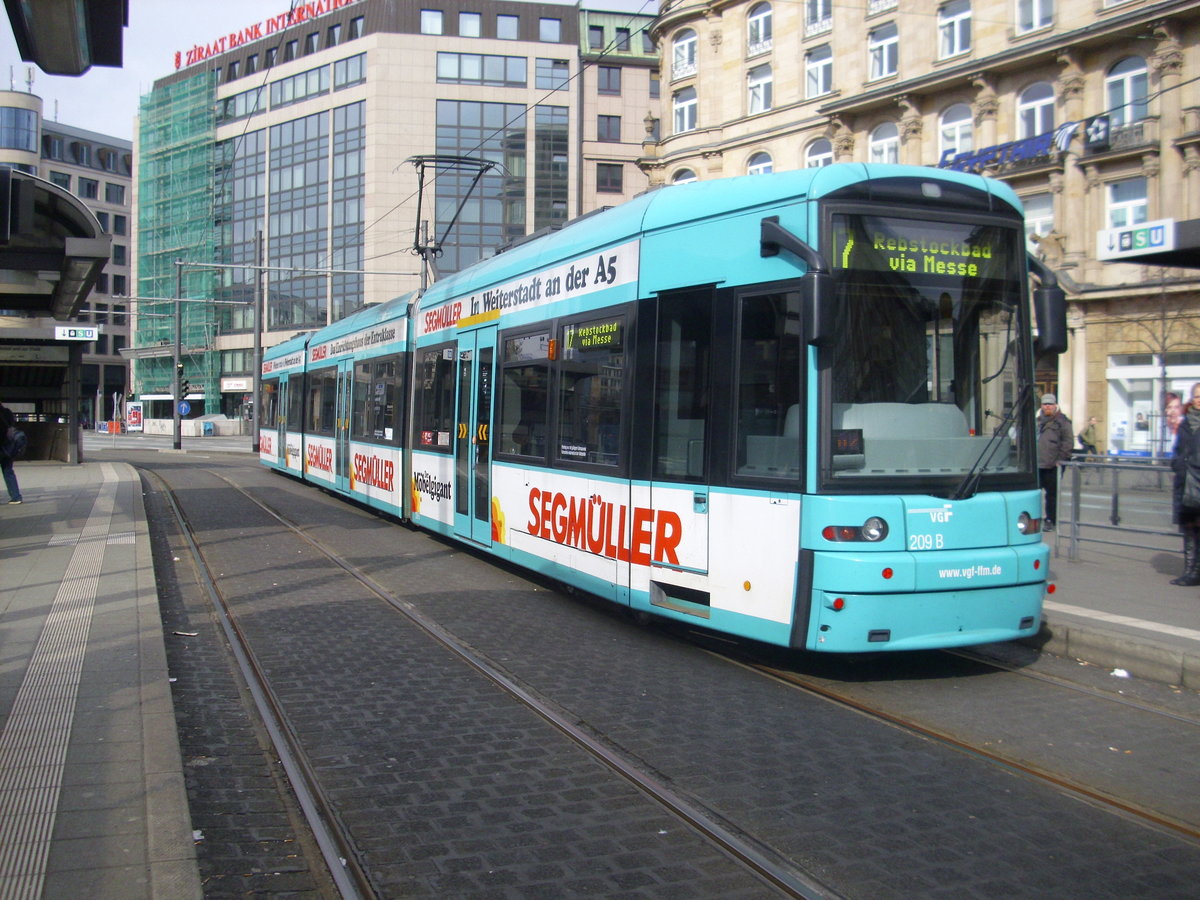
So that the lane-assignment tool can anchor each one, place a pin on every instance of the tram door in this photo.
(341, 434)
(472, 448)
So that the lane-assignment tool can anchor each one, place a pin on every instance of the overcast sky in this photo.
(106, 100)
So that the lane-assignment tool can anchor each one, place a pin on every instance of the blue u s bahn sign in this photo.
(1132, 241)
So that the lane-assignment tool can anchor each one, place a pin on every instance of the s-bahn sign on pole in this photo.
(1132, 241)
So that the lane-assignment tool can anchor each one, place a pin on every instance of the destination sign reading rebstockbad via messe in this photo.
(927, 248)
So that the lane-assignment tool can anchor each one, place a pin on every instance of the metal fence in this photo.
(1117, 503)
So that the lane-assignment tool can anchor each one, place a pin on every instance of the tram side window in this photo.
(681, 386)
(322, 401)
(524, 395)
(590, 388)
(295, 405)
(768, 414)
(269, 403)
(434, 414)
(376, 407)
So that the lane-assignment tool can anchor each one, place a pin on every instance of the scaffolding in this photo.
(176, 169)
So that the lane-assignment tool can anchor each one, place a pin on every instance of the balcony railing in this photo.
(878, 6)
(818, 26)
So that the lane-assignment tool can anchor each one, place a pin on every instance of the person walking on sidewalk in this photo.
(7, 421)
(1184, 509)
(1056, 439)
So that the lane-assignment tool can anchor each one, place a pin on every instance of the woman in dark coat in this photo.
(1187, 456)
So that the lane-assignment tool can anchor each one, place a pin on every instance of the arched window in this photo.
(1035, 110)
(885, 143)
(684, 106)
(760, 164)
(1125, 90)
(759, 85)
(683, 54)
(956, 133)
(758, 29)
(684, 176)
(819, 153)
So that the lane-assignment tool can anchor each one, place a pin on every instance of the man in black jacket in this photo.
(7, 421)
(1055, 440)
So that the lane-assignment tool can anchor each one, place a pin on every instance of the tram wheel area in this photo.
(444, 783)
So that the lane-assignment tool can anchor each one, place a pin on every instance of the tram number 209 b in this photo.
(926, 541)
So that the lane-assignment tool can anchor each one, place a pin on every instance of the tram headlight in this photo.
(874, 529)
(1027, 524)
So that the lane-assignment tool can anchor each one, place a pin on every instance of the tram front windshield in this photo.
(931, 353)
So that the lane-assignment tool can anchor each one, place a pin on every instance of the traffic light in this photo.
(184, 389)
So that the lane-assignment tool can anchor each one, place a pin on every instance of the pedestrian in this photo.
(1056, 438)
(1087, 437)
(1185, 505)
(7, 421)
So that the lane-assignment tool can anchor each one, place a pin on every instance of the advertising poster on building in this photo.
(133, 415)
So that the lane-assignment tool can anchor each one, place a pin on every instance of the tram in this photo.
(793, 407)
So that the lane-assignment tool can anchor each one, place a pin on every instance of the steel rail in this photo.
(763, 861)
(348, 875)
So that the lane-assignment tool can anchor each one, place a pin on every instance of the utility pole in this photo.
(177, 382)
(259, 300)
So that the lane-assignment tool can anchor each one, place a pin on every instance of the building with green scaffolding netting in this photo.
(175, 224)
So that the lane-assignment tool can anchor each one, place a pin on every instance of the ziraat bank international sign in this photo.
(302, 13)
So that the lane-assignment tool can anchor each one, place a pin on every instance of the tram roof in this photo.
(677, 205)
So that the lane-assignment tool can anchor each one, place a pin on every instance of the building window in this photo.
(507, 27)
(120, 255)
(333, 35)
(431, 21)
(1035, 110)
(818, 17)
(818, 71)
(684, 106)
(1125, 87)
(758, 29)
(655, 84)
(552, 74)
(1127, 202)
(954, 28)
(883, 51)
(82, 152)
(1039, 218)
(609, 178)
(818, 154)
(684, 176)
(269, 57)
(301, 86)
(1034, 14)
(479, 68)
(114, 193)
(647, 41)
(120, 285)
(550, 30)
(956, 135)
(356, 27)
(102, 218)
(62, 179)
(595, 37)
(608, 128)
(289, 50)
(52, 144)
(609, 79)
(683, 54)
(623, 40)
(312, 42)
(760, 164)
(349, 71)
(120, 224)
(251, 63)
(470, 24)
(759, 86)
(102, 283)
(89, 188)
(884, 145)
(235, 70)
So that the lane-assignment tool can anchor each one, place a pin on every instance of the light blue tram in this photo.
(793, 407)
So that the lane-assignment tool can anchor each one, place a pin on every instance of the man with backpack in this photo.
(12, 445)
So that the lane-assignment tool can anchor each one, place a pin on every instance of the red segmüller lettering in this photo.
(373, 471)
(593, 524)
(443, 317)
(320, 458)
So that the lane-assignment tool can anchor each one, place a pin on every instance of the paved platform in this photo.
(92, 795)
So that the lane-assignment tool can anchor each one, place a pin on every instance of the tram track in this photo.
(337, 843)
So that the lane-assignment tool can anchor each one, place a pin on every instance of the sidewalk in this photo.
(92, 796)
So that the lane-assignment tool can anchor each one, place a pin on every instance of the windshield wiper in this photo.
(971, 480)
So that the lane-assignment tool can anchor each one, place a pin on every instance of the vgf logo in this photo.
(936, 514)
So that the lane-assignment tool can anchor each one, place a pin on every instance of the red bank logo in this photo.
(595, 525)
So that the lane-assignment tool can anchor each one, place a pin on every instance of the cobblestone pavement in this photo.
(452, 790)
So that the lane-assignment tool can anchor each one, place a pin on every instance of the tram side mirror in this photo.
(1050, 308)
(820, 309)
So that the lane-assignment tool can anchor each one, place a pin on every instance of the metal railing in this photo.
(1146, 485)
